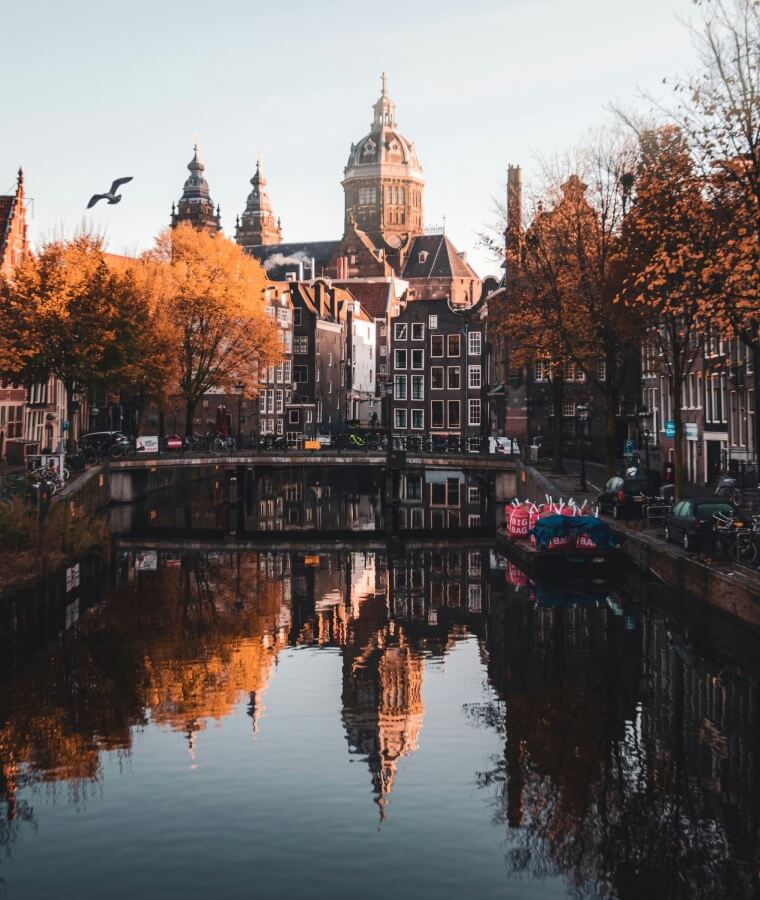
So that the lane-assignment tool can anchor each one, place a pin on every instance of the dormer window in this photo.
(423, 255)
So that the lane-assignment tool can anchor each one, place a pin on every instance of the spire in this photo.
(20, 182)
(385, 108)
(195, 205)
(258, 224)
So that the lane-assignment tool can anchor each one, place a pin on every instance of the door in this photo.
(713, 461)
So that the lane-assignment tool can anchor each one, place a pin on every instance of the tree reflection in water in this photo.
(630, 764)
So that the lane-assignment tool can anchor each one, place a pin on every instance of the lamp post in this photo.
(644, 435)
(581, 410)
(240, 387)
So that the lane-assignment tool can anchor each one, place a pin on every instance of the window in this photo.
(454, 414)
(473, 412)
(436, 414)
(601, 370)
(540, 370)
(301, 343)
(280, 426)
(436, 378)
(399, 418)
(301, 374)
(417, 514)
(308, 416)
(418, 419)
(294, 416)
(422, 256)
(473, 597)
(568, 408)
(418, 331)
(367, 195)
(399, 359)
(270, 401)
(453, 378)
(475, 343)
(263, 402)
(436, 345)
(286, 373)
(279, 405)
(418, 359)
(399, 387)
(432, 322)
(473, 494)
(473, 377)
(418, 387)
(413, 487)
(399, 331)
(296, 316)
(453, 344)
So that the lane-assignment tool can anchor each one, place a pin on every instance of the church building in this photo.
(383, 225)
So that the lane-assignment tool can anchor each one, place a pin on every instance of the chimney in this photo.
(513, 234)
(300, 271)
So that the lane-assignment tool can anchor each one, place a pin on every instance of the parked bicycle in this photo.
(221, 444)
(737, 540)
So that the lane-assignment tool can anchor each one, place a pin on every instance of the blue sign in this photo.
(65, 425)
(670, 428)
(628, 447)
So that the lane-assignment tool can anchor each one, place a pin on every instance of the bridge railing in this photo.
(352, 442)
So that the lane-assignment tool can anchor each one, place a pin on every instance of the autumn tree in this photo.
(569, 258)
(66, 313)
(668, 250)
(212, 292)
(718, 110)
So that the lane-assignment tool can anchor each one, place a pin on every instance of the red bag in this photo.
(515, 576)
(518, 520)
(584, 542)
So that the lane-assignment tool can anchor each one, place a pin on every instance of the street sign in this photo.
(628, 447)
(670, 428)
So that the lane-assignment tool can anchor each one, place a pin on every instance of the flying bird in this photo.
(111, 196)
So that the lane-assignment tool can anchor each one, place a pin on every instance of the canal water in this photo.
(180, 718)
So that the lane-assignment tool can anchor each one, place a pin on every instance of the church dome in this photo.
(383, 181)
(384, 148)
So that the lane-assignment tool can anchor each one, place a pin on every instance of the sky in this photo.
(99, 90)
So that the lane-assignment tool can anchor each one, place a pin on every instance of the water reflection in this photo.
(630, 751)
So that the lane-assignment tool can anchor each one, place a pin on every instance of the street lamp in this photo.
(644, 416)
(582, 411)
(239, 387)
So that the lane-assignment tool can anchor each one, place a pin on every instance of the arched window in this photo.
(402, 195)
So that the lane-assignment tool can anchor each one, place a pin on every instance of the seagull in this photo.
(111, 196)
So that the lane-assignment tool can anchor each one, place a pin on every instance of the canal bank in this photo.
(730, 589)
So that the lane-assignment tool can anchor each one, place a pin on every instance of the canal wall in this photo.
(731, 590)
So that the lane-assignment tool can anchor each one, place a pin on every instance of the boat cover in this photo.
(549, 527)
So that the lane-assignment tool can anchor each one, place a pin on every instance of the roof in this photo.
(442, 260)
(374, 297)
(279, 259)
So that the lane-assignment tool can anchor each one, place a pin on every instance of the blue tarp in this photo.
(550, 527)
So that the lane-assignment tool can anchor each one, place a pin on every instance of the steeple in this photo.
(195, 205)
(258, 224)
(13, 234)
(385, 108)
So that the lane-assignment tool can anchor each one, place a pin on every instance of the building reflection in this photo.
(184, 637)
(631, 759)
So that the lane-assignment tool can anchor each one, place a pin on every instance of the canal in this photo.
(413, 718)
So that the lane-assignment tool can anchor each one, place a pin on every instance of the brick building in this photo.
(439, 372)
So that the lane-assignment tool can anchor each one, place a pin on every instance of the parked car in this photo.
(692, 522)
(105, 443)
(624, 497)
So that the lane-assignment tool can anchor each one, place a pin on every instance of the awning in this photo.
(441, 476)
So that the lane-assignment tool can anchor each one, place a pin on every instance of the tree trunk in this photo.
(557, 456)
(69, 388)
(189, 416)
(678, 448)
(610, 450)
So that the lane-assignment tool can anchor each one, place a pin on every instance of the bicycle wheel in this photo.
(65, 474)
(736, 496)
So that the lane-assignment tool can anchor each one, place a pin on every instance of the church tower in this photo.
(383, 181)
(258, 225)
(195, 205)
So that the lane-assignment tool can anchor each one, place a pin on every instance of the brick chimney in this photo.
(513, 233)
